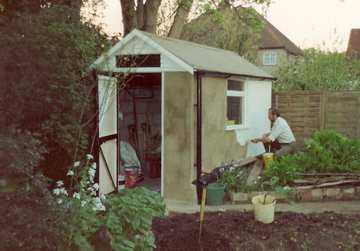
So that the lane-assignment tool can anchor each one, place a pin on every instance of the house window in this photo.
(235, 104)
(269, 58)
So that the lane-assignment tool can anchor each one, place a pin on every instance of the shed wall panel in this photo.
(178, 137)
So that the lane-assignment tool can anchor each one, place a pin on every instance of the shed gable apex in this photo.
(141, 45)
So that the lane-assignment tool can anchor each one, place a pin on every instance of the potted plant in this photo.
(235, 184)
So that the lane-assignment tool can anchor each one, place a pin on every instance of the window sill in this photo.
(235, 127)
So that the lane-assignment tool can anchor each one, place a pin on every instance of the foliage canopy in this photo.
(45, 88)
(319, 70)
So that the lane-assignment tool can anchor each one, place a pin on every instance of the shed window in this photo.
(269, 58)
(235, 104)
(146, 60)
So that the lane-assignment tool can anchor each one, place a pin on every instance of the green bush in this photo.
(46, 54)
(329, 151)
(235, 181)
(283, 172)
(127, 215)
(325, 151)
(319, 70)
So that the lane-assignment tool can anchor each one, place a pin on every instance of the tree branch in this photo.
(151, 15)
(129, 15)
(140, 14)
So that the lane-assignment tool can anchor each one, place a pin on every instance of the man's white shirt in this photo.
(281, 131)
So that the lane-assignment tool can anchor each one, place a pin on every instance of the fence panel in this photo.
(307, 112)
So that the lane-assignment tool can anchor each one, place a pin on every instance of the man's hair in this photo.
(274, 111)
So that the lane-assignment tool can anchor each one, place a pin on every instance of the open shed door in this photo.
(108, 134)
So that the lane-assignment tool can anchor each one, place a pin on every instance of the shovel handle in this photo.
(202, 211)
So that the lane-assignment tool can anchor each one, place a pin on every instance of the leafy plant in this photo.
(20, 153)
(129, 217)
(329, 151)
(234, 179)
(79, 205)
(126, 215)
(283, 172)
(326, 151)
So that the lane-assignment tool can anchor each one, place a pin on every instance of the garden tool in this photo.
(202, 211)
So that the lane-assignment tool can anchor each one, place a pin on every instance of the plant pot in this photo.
(264, 212)
(215, 194)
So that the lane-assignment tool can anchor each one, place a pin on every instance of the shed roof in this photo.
(354, 43)
(201, 57)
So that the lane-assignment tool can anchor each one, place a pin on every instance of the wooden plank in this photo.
(330, 184)
(356, 174)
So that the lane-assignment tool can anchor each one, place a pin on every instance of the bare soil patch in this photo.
(239, 231)
(27, 223)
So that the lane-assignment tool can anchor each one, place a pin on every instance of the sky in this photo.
(324, 24)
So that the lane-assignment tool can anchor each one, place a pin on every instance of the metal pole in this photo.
(198, 133)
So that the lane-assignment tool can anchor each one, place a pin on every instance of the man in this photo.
(281, 139)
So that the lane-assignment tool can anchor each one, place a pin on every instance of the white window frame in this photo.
(269, 58)
(242, 94)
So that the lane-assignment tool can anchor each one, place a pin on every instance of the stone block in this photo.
(333, 193)
(238, 197)
(348, 193)
(357, 190)
(3, 182)
(304, 195)
(317, 194)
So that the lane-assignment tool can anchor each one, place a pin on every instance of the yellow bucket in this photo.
(268, 158)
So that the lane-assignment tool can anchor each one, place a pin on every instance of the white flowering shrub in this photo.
(83, 189)
(80, 204)
(127, 215)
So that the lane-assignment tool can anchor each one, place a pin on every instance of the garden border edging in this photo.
(304, 195)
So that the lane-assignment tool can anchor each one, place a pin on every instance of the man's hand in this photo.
(257, 140)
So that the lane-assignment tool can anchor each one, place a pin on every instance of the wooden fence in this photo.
(307, 112)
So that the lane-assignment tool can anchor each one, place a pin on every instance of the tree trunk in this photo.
(151, 15)
(181, 15)
(140, 14)
(129, 15)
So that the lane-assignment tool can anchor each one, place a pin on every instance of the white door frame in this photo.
(162, 132)
(162, 126)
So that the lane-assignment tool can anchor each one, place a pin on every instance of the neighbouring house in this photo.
(203, 103)
(353, 49)
(252, 32)
(275, 49)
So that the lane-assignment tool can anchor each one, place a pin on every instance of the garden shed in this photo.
(183, 108)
